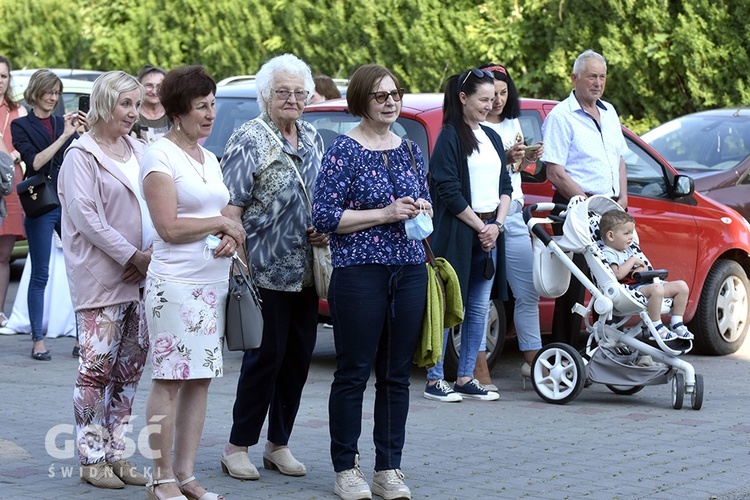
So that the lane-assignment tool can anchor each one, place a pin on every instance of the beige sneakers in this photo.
(389, 484)
(101, 475)
(351, 484)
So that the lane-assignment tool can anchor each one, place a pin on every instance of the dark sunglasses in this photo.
(381, 97)
(479, 73)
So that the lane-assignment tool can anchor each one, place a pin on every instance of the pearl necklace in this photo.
(120, 156)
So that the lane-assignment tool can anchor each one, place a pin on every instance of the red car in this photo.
(698, 240)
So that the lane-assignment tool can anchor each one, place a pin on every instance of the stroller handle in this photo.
(538, 230)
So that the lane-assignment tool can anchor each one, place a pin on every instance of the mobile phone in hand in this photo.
(84, 102)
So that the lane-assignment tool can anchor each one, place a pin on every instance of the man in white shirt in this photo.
(583, 151)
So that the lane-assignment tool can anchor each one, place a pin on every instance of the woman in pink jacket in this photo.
(106, 234)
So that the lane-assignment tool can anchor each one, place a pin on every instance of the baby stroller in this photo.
(624, 358)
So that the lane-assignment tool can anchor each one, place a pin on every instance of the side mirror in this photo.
(683, 185)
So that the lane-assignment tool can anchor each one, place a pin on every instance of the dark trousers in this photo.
(566, 326)
(39, 235)
(273, 375)
(377, 315)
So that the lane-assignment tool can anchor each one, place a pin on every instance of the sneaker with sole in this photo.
(681, 331)
(441, 391)
(351, 484)
(389, 484)
(474, 390)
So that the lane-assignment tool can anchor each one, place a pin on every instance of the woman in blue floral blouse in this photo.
(370, 182)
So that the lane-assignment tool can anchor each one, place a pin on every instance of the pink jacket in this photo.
(101, 224)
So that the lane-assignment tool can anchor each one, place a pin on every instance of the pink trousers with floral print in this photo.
(114, 346)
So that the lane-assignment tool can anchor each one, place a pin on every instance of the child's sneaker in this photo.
(474, 390)
(681, 331)
(665, 333)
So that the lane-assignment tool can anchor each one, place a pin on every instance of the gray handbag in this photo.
(244, 322)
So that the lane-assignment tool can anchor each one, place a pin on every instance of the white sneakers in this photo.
(351, 484)
(388, 484)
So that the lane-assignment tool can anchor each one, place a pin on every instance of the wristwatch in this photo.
(500, 226)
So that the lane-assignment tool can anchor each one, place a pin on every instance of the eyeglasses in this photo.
(54, 92)
(151, 86)
(381, 97)
(284, 95)
(479, 73)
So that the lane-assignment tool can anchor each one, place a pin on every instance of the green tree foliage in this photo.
(665, 57)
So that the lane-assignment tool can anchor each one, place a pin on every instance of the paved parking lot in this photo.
(599, 446)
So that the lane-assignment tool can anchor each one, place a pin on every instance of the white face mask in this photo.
(420, 227)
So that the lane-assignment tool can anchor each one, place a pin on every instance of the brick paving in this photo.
(599, 446)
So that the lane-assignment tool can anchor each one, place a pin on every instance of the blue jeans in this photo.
(474, 327)
(377, 315)
(39, 235)
(518, 269)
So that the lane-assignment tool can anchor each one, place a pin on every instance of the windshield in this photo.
(231, 112)
(699, 143)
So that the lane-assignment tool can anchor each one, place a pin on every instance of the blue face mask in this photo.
(211, 243)
(420, 227)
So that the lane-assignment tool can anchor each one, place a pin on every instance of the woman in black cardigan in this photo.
(42, 138)
(470, 189)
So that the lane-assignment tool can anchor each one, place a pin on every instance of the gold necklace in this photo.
(390, 139)
(202, 160)
(120, 156)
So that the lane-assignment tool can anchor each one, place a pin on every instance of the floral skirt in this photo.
(186, 326)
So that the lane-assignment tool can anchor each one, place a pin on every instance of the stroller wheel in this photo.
(696, 397)
(625, 390)
(678, 390)
(558, 373)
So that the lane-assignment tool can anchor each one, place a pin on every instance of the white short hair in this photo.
(580, 63)
(284, 64)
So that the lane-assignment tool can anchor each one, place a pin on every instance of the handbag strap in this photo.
(281, 144)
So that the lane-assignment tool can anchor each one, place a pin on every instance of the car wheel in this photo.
(496, 329)
(721, 321)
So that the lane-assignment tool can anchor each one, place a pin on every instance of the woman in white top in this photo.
(470, 189)
(503, 119)
(187, 287)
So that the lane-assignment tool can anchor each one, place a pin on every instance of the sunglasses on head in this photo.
(382, 96)
(479, 73)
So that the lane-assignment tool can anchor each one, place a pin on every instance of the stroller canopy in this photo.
(577, 230)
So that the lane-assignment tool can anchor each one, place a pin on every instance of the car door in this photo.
(666, 226)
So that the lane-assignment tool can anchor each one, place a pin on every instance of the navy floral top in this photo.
(352, 177)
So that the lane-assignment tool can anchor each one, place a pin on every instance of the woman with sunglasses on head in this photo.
(503, 119)
(371, 181)
(471, 190)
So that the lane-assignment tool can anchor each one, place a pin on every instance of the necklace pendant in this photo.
(205, 181)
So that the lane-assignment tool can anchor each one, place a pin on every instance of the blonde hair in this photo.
(106, 92)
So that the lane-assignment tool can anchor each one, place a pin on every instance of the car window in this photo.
(531, 127)
(231, 112)
(331, 124)
(645, 174)
(699, 143)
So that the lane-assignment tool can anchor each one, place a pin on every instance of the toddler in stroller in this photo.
(617, 229)
(622, 354)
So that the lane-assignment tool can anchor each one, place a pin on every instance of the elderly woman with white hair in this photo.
(106, 234)
(270, 165)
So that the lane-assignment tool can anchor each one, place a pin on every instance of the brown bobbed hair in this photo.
(361, 83)
(325, 86)
(40, 83)
(181, 86)
(613, 219)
